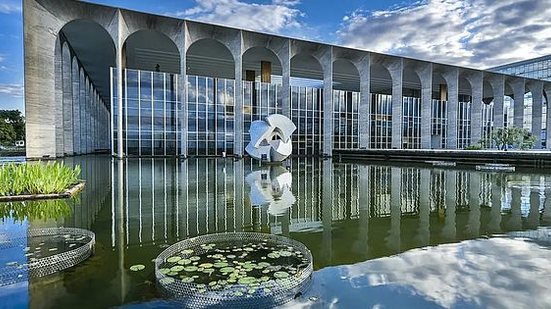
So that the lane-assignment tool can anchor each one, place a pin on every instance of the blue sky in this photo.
(478, 33)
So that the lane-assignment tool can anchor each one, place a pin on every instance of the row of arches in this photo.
(365, 93)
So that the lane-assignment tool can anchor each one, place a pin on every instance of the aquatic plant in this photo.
(37, 178)
(35, 210)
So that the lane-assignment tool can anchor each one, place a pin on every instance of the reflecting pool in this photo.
(380, 235)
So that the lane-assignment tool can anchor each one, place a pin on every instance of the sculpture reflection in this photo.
(271, 187)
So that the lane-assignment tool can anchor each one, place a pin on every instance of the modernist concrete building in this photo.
(100, 78)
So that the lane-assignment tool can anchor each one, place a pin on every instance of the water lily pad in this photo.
(190, 268)
(187, 280)
(231, 256)
(195, 258)
(281, 275)
(184, 261)
(137, 267)
(173, 259)
(285, 253)
(264, 264)
(164, 271)
(177, 268)
(187, 251)
(172, 274)
(273, 255)
(206, 265)
(246, 280)
(220, 264)
(166, 280)
(227, 269)
(237, 293)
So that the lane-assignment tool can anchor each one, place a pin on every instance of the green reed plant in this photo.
(35, 210)
(37, 178)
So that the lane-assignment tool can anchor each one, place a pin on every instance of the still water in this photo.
(380, 235)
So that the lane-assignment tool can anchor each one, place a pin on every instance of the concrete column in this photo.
(82, 111)
(474, 205)
(284, 56)
(396, 69)
(238, 124)
(518, 110)
(537, 109)
(498, 84)
(58, 103)
(477, 85)
(494, 226)
(425, 75)
(120, 67)
(326, 59)
(449, 231)
(182, 91)
(76, 106)
(534, 215)
(452, 80)
(393, 241)
(364, 109)
(547, 91)
(87, 114)
(423, 231)
(363, 189)
(327, 212)
(42, 52)
(67, 101)
(515, 220)
(546, 217)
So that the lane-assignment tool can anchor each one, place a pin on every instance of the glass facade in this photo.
(539, 68)
(411, 123)
(345, 119)
(464, 122)
(152, 116)
(439, 124)
(306, 114)
(381, 121)
(150, 113)
(211, 115)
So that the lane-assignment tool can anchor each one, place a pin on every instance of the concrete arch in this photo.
(230, 38)
(346, 75)
(151, 50)
(253, 56)
(304, 65)
(210, 57)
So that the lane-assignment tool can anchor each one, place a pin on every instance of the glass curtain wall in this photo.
(150, 113)
(487, 121)
(439, 124)
(464, 122)
(411, 123)
(259, 100)
(306, 114)
(211, 115)
(381, 121)
(345, 119)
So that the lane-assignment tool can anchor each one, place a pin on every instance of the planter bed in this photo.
(31, 197)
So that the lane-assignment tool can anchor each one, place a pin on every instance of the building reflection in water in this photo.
(345, 213)
(378, 209)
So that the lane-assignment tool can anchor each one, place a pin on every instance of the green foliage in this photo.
(35, 210)
(476, 146)
(37, 178)
(513, 137)
(12, 127)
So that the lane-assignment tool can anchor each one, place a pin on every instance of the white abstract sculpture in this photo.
(271, 187)
(271, 138)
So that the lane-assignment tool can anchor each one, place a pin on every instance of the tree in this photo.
(513, 137)
(12, 126)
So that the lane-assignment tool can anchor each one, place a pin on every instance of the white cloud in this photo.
(464, 32)
(10, 7)
(273, 17)
(13, 90)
